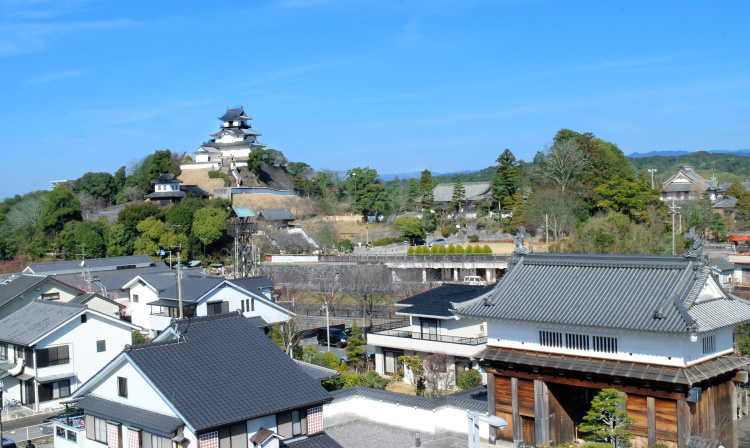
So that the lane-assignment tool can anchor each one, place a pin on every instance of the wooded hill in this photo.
(726, 167)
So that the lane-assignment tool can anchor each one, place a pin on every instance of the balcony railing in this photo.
(390, 325)
(433, 337)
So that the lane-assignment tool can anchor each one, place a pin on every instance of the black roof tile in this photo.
(438, 302)
(130, 415)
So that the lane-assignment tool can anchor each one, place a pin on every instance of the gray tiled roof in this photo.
(253, 284)
(193, 288)
(95, 264)
(438, 301)
(86, 296)
(318, 373)
(317, 441)
(474, 191)
(17, 286)
(166, 178)
(411, 400)
(729, 202)
(689, 173)
(114, 279)
(628, 292)
(229, 371)
(36, 319)
(130, 415)
(235, 115)
(276, 214)
(166, 194)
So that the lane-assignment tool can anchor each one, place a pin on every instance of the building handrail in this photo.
(433, 337)
(390, 325)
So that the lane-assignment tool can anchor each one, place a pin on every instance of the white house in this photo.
(20, 290)
(155, 303)
(214, 381)
(658, 329)
(48, 349)
(432, 327)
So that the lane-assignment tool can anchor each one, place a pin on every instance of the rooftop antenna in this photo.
(83, 251)
(53, 254)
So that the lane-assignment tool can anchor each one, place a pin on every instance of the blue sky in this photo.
(396, 85)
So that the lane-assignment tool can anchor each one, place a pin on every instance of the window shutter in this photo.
(284, 424)
(42, 357)
(165, 442)
(239, 435)
(225, 440)
(146, 440)
(63, 352)
(225, 307)
(90, 430)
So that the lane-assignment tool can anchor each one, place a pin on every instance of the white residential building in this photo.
(48, 349)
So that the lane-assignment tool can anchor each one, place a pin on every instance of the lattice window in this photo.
(576, 341)
(113, 436)
(315, 420)
(550, 339)
(604, 344)
(134, 438)
(209, 440)
(709, 344)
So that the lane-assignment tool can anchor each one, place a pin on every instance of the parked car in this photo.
(7, 443)
(474, 280)
(437, 242)
(337, 335)
(417, 242)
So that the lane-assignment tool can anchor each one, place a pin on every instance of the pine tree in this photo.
(412, 193)
(459, 194)
(425, 182)
(604, 422)
(355, 348)
(518, 211)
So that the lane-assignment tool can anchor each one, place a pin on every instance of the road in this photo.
(22, 429)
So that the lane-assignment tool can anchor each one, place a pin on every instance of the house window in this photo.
(53, 356)
(291, 424)
(100, 430)
(51, 296)
(149, 440)
(550, 339)
(122, 387)
(709, 344)
(54, 390)
(25, 354)
(101, 346)
(252, 304)
(135, 298)
(217, 308)
(27, 392)
(60, 431)
(604, 344)
(391, 361)
(3, 351)
(83, 318)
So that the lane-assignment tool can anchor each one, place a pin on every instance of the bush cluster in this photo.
(387, 241)
(450, 250)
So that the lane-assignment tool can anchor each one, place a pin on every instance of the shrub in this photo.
(349, 379)
(468, 379)
(386, 241)
(137, 338)
(473, 238)
(410, 250)
(469, 249)
(346, 246)
(459, 249)
(450, 249)
(486, 249)
(448, 231)
(218, 175)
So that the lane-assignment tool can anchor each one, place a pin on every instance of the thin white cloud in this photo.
(50, 77)
(125, 116)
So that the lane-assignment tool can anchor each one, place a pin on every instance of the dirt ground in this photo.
(398, 386)
(200, 178)
(298, 205)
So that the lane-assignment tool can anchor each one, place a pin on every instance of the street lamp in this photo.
(652, 171)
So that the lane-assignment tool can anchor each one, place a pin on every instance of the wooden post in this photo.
(651, 419)
(517, 425)
(711, 412)
(491, 405)
(541, 413)
(683, 424)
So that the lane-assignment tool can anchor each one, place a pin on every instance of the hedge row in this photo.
(450, 250)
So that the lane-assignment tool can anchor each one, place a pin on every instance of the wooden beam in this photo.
(683, 424)
(491, 405)
(651, 419)
(590, 384)
(541, 413)
(711, 412)
(517, 426)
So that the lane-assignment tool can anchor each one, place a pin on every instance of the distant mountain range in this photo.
(418, 174)
(739, 152)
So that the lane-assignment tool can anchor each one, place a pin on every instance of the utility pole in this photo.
(83, 251)
(54, 259)
(673, 211)
(546, 232)
(652, 171)
(179, 280)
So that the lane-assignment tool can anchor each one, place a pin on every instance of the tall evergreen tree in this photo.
(459, 194)
(425, 182)
(412, 193)
(506, 181)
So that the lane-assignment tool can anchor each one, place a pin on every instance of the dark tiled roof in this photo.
(318, 373)
(160, 280)
(17, 286)
(258, 321)
(411, 400)
(685, 376)
(628, 292)
(438, 302)
(95, 264)
(317, 441)
(474, 191)
(193, 288)
(722, 264)
(253, 284)
(725, 203)
(249, 375)
(114, 279)
(276, 214)
(130, 415)
(166, 178)
(36, 319)
(235, 115)
(86, 296)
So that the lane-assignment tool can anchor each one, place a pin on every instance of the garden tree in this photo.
(607, 160)
(181, 215)
(7, 250)
(743, 339)
(425, 181)
(437, 374)
(742, 210)
(209, 224)
(372, 200)
(323, 184)
(120, 241)
(149, 169)
(60, 207)
(91, 234)
(631, 196)
(136, 337)
(355, 348)
(120, 177)
(605, 421)
(429, 223)
(735, 190)
(428, 201)
(300, 174)
(288, 337)
(325, 235)
(412, 194)
(468, 379)
(409, 226)
(21, 212)
(561, 210)
(412, 365)
(459, 195)
(372, 284)
(506, 180)
(357, 179)
(156, 235)
(98, 185)
(718, 225)
(517, 220)
(561, 163)
(695, 213)
(260, 156)
(345, 246)
(129, 194)
(133, 214)
(615, 233)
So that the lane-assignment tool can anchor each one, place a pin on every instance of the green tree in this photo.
(156, 235)
(355, 348)
(136, 337)
(409, 226)
(425, 181)
(92, 235)
(261, 156)
(743, 339)
(615, 233)
(735, 190)
(561, 164)
(630, 196)
(357, 179)
(412, 194)
(120, 177)
(151, 167)
(120, 241)
(372, 200)
(98, 185)
(60, 207)
(181, 215)
(209, 224)
(459, 195)
(468, 379)
(518, 207)
(506, 180)
(325, 235)
(605, 422)
(742, 210)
